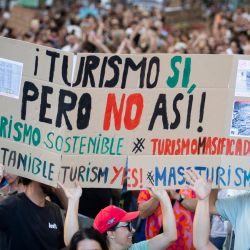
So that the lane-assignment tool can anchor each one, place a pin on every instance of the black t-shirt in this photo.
(30, 227)
(93, 200)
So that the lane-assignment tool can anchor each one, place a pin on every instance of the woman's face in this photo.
(88, 245)
(123, 234)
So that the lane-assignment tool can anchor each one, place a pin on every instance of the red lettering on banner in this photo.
(230, 143)
(246, 148)
(137, 100)
(117, 173)
(112, 108)
(154, 145)
(128, 178)
(238, 149)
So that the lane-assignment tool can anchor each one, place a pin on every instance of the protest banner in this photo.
(93, 171)
(168, 172)
(21, 19)
(89, 106)
(24, 161)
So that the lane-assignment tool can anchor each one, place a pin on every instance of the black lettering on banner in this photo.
(189, 111)
(176, 123)
(160, 110)
(92, 63)
(44, 104)
(94, 171)
(12, 158)
(103, 70)
(65, 71)
(129, 63)
(112, 63)
(73, 173)
(153, 61)
(65, 168)
(202, 108)
(84, 105)
(22, 160)
(4, 154)
(53, 56)
(64, 107)
(28, 87)
(36, 63)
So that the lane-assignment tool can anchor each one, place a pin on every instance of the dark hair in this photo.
(24, 181)
(113, 228)
(88, 233)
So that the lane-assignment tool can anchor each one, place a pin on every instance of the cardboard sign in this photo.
(40, 165)
(20, 19)
(103, 171)
(104, 108)
(168, 172)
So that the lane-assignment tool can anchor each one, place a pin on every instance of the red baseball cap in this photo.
(110, 216)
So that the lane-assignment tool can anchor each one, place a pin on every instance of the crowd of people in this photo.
(177, 219)
(123, 29)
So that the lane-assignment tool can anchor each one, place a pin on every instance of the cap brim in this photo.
(130, 216)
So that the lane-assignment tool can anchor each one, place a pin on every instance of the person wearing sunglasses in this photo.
(114, 224)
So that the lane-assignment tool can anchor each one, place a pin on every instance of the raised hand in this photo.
(201, 187)
(72, 193)
(174, 194)
(158, 193)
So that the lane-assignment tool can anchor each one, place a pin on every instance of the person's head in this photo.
(88, 238)
(24, 181)
(46, 190)
(116, 224)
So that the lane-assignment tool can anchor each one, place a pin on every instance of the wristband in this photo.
(182, 197)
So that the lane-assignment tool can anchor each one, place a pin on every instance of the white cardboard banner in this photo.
(79, 109)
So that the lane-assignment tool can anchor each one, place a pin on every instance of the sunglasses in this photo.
(127, 225)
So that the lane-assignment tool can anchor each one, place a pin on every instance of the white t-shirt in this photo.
(237, 210)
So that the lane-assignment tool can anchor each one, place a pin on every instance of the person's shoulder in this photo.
(12, 201)
(14, 198)
(244, 197)
(239, 196)
(235, 201)
(143, 245)
(52, 205)
(54, 209)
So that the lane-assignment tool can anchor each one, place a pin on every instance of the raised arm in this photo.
(148, 207)
(169, 235)
(97, 41)
(201, 226)
(189, 204)
(71, 225)
(122, 46)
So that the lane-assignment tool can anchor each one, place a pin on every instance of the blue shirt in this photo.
(237, 210)
(143, 245)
